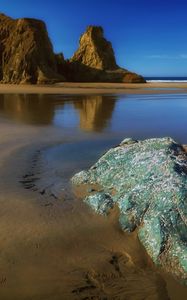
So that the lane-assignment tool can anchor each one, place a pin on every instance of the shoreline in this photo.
(96, 88)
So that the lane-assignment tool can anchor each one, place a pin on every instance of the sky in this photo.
(148, 36)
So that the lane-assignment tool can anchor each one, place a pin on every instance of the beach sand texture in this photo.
(94, 88)
(60, 249)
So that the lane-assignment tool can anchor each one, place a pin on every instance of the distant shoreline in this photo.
(96, 88)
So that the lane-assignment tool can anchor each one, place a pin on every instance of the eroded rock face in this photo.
(26, 56)
(95, 60)
(147, 180)
(26, 53)
(95, 51)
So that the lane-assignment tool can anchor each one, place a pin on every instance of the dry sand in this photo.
(94, 88)
(60, 250)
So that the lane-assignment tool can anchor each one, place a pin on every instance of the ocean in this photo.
(166, 79)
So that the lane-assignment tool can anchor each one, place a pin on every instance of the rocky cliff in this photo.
(26, 53)
(26, 56)
(95, 60)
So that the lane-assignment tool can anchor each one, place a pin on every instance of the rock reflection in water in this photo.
(29, 109)
(94, 112)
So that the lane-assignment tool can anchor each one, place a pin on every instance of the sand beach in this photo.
(94, 88)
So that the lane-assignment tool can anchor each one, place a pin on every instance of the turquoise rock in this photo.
(147, 180)
(100, 202)
(80, 178)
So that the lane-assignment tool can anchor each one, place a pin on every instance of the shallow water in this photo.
(164, 89)
(52, 244)
(137, 116)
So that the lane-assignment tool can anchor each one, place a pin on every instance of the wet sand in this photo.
(94, 88)
(60, 249)
(57, 249)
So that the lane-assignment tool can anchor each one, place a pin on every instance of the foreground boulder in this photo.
(147, 180)
(26, 53)
(95, 60)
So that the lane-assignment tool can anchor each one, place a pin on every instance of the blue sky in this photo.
(148, 36)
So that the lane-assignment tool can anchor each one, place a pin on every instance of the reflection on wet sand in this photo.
(29, 109)
(94, 112)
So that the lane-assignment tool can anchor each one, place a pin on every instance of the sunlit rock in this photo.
(95, 60)
(26, 52)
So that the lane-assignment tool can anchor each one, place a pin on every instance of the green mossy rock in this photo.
(148, 181)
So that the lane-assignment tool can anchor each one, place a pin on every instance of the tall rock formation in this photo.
(95, 51)
(26, 53)
(95, 60)
(26, 56)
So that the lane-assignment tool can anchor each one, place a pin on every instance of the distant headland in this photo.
(27, 56)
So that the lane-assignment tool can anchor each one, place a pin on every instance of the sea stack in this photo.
(95, 60)
(95, 51)
(26, 53)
